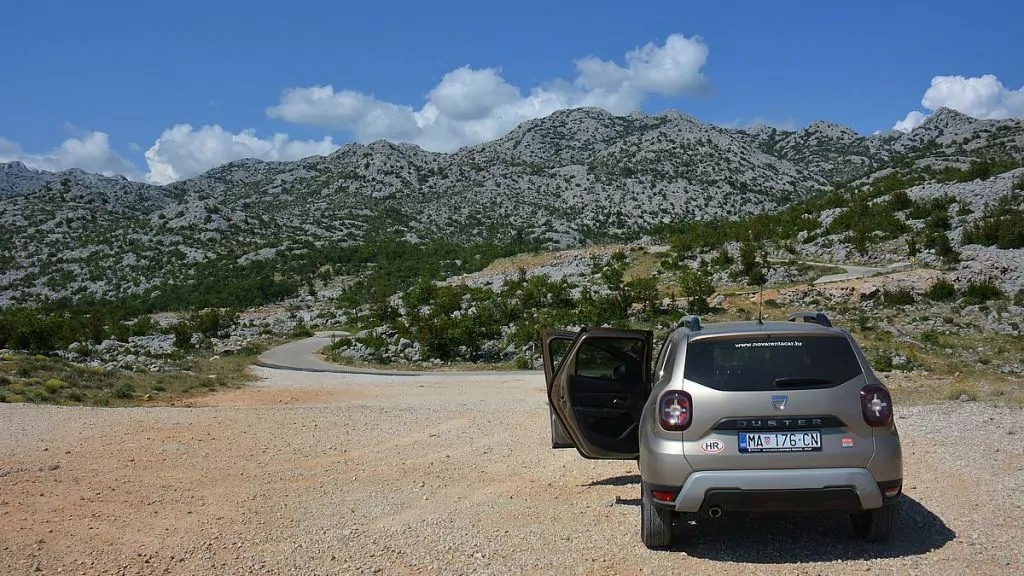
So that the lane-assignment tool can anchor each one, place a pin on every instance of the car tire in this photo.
(878, 524)
(655, 521)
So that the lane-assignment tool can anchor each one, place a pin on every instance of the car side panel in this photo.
(661, 453)
(887, 462)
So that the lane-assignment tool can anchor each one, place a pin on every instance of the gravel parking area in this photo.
(443, 474)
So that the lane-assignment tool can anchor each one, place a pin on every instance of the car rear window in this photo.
(771, 362)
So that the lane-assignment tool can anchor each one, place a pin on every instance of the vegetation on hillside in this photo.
(49, 380)
(464, 323)
(1002, 224)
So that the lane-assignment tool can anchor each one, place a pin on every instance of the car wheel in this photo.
(655, 521)
(878, 524)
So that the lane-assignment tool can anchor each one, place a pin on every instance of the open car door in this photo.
(556, 344)
(599, 389)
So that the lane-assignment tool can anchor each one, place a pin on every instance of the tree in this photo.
(748, 258)
(644, 291)
(696, 285)
(754, 263)
(612, 276)
(912, 248)
(182, 335)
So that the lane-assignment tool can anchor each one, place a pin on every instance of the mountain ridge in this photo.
(575, 177)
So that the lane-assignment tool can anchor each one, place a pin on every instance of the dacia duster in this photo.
(776, 416)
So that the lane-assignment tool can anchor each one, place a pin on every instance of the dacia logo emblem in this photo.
(779, 402)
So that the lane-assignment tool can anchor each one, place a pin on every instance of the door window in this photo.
(558, 347)
(618, 359)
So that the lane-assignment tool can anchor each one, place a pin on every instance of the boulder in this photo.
(867, 292)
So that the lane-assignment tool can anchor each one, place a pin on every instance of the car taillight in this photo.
(674, 411)
(876, 403)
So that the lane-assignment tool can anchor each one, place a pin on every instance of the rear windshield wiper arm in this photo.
(783, 382)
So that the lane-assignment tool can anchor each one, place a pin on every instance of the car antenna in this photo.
(760, 301)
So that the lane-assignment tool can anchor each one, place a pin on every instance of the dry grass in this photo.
(642, 264)
(43, 380)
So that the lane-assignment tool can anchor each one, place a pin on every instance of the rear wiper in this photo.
(783, 382)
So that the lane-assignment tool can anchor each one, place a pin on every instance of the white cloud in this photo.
(913, 120)
(471, 105)
(90, 152)
(467, 94)
(183, 152)
(467, 106)
(982, 97)
(180, 152)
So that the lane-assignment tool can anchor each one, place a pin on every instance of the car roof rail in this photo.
(691, 322)
(812, 317)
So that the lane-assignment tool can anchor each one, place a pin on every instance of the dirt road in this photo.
(317, 473)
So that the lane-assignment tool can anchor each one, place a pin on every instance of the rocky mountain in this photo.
(575, 177)
(954, 132)
(835, 153)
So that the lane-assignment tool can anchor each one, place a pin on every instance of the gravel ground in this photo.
(344, 474)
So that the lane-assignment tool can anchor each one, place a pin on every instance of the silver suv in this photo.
(732, 417)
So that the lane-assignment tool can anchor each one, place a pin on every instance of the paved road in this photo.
(852, 273)
(300, 356)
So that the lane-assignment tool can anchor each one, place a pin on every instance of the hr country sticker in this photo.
(712, 446)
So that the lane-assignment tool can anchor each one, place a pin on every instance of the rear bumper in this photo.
(847, 489)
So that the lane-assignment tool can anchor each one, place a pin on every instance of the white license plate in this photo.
(800, 441)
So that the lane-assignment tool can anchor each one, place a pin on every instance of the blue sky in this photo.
(97, 84)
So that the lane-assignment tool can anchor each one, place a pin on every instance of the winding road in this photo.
(301, 356)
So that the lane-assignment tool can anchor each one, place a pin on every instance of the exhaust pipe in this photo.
(715, 512)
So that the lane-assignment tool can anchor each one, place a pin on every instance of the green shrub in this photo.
(124, 390)
(941, 291)
(980, 292)
(899, 201)
(697, 287)
(643, 291)
(938, 240)
(1004, 231)
(210, 323)
(931, 338)
(301, 330)
(54, 385)
(881, 361)
(901, 296)
(980, 169)
(1018, 298)
(182, 335)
